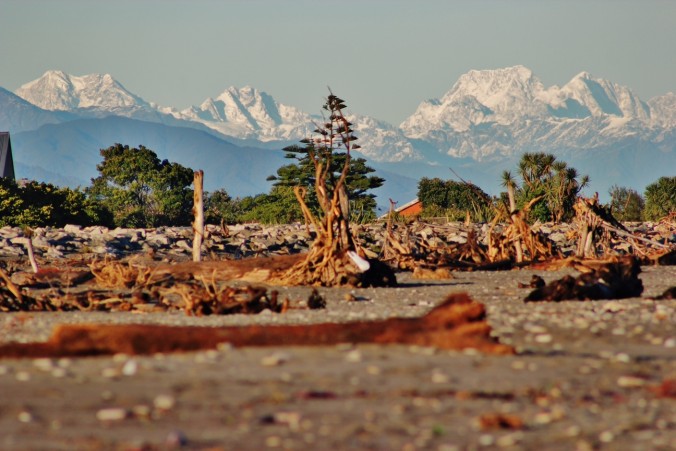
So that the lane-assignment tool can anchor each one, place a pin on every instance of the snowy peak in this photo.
(514, 95)
(601, 97)
(499, 90)
(480, 96)
(56, 90)
(249, 113)
(663, 110)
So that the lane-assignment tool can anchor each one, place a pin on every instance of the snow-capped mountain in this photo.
(249, 113)
(487, 114)
(503, 112)
(663, 110)
(482, 124)
(56, 90)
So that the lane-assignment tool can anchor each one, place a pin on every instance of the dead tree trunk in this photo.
(334, 258)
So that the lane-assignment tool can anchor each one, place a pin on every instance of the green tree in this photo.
(660, 198)
(358, 182)
(552, 181)
(141, 190)
(454, 199)
(626, 204)
(219, 206)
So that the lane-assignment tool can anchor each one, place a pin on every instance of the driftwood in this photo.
(334, 257)
(596, 225)
(458, 323)
(142, 286)
(614, 280)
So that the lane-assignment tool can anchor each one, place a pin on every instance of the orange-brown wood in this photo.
(458, 323)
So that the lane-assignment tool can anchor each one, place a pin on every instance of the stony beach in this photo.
(587, 375)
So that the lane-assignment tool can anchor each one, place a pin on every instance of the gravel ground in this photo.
(584, 378)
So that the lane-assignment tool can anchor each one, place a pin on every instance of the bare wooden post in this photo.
(198, 211)
(28, 232)
(512, 213)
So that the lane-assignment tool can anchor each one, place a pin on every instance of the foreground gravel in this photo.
(585, 377)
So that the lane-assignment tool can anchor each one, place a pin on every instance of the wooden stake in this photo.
(512, 214)
(198, 211)
(29, 248)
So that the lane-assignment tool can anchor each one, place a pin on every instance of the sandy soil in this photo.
(586, 376)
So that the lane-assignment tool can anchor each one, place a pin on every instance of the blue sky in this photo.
(382, 56)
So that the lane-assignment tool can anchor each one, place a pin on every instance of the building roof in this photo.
(6, 160)
(406, 205)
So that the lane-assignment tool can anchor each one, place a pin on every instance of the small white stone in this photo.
(141, 411)
(276, 359)
(59, 372)
(130, 368)
(353, 356)
(44, 364)
(543, 338)
(630, 381)
(606, 436)
(439, 378)
(111, 414)
(25, 417)
(23, 376)
(110, 373)
(164, 402)
(543, 418)
(486, 440)
(507, 440)
(623, 358)
(273, 442)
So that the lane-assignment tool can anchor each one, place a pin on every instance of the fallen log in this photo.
(458, 323)
(613, 280)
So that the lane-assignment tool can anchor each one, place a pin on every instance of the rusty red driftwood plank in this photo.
(458, 323)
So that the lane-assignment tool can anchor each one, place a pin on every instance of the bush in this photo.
(453, 200)
(660, 198)
(626, 204)
(42, 204)
(553, 182)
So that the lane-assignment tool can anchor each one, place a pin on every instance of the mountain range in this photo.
(478, 128)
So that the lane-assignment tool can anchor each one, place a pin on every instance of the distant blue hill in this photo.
(67, 154)
(71, 151)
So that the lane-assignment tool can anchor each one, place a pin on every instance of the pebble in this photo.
(276, 359)
(630, 381)
(543, 338)
(23, 376)
(353, 356)
(111, 414)
(164, 402)
(25, 417)
(130, 368)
